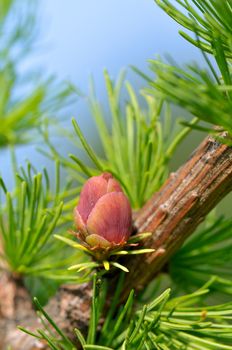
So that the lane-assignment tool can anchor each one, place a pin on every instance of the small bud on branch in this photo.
(103, 216)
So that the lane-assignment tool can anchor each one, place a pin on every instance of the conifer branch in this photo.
(174, 212)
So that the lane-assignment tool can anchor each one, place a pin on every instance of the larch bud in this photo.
(103, 216)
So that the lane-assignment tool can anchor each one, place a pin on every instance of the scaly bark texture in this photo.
(174, 212)
(70, 308)
(16, 309)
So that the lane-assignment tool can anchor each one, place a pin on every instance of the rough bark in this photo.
(171, 215)
(174, 212)
(69, 308)
(16, 308)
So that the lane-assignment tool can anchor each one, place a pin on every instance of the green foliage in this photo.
(206, 94)
(28, 217)
(42, 288)
(137, 147)
(207, 253)
(164, 324)
(209, 20)
(25, 99)
(195, 90)
(107, 260)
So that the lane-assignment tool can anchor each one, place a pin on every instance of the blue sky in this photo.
(82, 37)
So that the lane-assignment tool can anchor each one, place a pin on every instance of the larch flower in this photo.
(103, 216)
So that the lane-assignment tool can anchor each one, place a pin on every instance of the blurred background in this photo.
(78, 39)
(83, 38)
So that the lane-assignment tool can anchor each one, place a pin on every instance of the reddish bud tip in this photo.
(103, 215)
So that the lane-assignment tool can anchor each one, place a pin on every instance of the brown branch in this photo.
(16, 308)
(171, 215)
(174, 212)
(70, 308)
